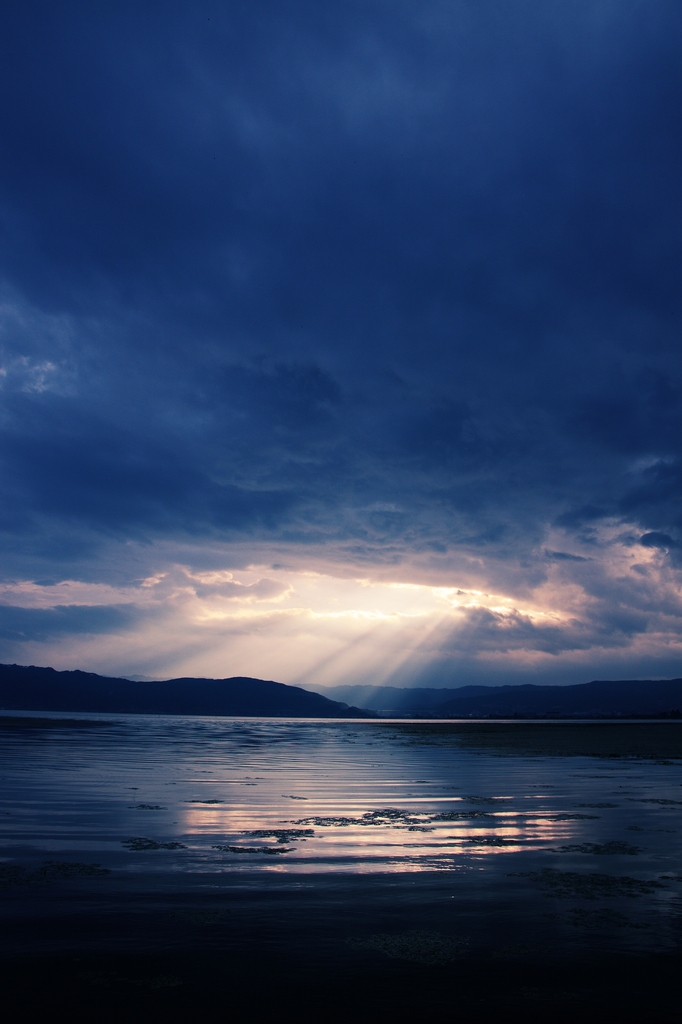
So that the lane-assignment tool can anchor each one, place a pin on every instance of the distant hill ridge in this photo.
(599, 697)
(396, 698)
(31, 688)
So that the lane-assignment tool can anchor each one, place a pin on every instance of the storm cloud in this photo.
(377, 291)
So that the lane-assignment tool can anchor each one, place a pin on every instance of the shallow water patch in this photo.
(282, 835)
(49, 871)
(138, 843)
(421, 947)
(593, 886)
(200, 917)
(271, 850)
(604, 918)
(612, 848)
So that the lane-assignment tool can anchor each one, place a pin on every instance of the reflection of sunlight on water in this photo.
(282, 796)
(339, 795)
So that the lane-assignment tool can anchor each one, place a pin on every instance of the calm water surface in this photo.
(497, 849)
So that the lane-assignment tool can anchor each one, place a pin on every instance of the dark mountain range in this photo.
(401, 700)
(28, 688)
(624, 697)
(629, 697)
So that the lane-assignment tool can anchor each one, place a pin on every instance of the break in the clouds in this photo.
(342, 342)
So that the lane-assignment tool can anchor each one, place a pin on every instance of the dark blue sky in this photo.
(377, 291)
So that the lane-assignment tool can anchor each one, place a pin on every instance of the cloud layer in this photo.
(383, 292)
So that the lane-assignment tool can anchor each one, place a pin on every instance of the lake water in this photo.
(351, 839)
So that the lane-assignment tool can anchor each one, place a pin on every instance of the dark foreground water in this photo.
(171, 866)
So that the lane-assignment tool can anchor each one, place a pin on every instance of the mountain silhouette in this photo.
(630, 697)
(31, 688)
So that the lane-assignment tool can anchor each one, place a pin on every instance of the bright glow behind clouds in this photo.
(324, 628)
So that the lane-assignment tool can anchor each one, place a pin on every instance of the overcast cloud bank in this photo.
(342, 344)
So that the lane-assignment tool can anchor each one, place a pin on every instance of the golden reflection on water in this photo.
(407, 837)
(229, 796)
